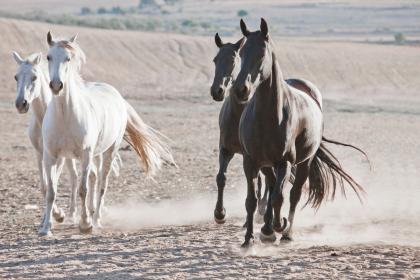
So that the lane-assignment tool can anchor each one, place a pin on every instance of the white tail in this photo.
(147, 142)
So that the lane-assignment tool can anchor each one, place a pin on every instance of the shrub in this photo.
(399, 38)
(102, 10)
(117, 10)
(85, 11)
(242, 13)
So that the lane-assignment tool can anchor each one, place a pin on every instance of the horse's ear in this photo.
(264, 28)
(73, 39)
(240, 43)
(37, 59)
(244, 28)
(218, 41)
(17, 57)
(50, 39)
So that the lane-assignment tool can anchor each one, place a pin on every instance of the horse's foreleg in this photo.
(302, 174)
(71, 166)
(251, 173)
(43, 182)
(283, 174)
(42, 176)
(225, 157)
(267, 233)
(52, 174)
(57, 212)
(85, 223)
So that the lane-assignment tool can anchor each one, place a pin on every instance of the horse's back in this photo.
(308, 88)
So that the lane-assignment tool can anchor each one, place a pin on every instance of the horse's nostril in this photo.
(220, 91)
(61, 85)
(24, 103)
(51, 85)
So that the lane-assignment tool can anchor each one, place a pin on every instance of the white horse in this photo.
(33, 91)
(85, 120)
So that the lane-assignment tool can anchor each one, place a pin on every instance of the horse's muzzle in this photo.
(218, 94)
(22, 106)
(243, 93)
(56, 86)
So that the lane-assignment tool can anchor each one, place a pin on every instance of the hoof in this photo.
(246, 244)
(85, 227)
(220, 216)
(44, 232)
(59, 217)
(97, 223)
(280, 228)
(267, 238)
(267, 234)
(286, 238)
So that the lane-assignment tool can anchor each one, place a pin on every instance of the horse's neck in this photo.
(69, 102)
(39, 105)
(236, 107)
(270, 95)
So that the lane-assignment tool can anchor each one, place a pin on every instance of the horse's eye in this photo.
(68, 59)
(16, 78)
(34, 78)
(48, 58)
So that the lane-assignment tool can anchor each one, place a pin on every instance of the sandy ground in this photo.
(165, 229)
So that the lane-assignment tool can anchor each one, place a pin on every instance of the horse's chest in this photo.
(266, 145)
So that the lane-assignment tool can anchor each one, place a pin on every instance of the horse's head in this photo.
(28, 86)
(227, 66)
(256, 60)
(64, 57)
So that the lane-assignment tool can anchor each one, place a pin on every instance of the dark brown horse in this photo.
(281, 127)
(227, 66)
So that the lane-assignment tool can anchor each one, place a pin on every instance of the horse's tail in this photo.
(147, 142)
(347, 145)
(326, 174)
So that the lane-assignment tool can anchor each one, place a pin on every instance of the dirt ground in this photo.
(164, 228)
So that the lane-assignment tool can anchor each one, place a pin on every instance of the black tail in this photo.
(347, 145)
(326, 174)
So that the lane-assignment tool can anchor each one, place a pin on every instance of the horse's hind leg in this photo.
(270, 180)
(251, 173)
(225, 157)
(85, 223)
(71, 166)
(302, 174)
(283, 174)
(93, 183)
(108, 157)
